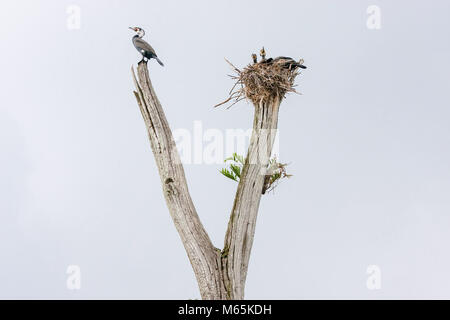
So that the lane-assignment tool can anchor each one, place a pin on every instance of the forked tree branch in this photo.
(205, 259)
(220, 274)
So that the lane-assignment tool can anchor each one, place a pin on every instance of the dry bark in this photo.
(220, 274)
(241, 226)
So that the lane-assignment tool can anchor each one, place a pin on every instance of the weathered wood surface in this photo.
(220, 274)
(241, 226)
(204, 257)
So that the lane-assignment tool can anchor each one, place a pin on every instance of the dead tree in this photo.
(220, 274)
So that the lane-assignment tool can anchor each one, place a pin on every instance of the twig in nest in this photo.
(261, 81)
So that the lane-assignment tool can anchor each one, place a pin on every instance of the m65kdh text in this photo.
(247, 309)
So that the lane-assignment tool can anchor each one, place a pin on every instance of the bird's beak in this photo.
(131, 28)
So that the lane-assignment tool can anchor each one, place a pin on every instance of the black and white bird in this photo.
(287, 62)
(254, 58)
(143, 47)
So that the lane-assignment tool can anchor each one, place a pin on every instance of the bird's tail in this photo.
(159, 61)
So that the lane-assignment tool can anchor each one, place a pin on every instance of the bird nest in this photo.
(261, 81)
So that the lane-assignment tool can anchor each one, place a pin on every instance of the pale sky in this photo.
(367, 142)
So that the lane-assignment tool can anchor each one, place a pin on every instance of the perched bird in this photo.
(254, 57)
(263, 54)
(143, 47)
(287, 62)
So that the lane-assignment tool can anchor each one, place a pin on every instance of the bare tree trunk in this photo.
(241, 227)
(220, 274)
(204, 257)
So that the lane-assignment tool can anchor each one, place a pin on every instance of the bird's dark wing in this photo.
(289, 62)
(143, 45)
(284, 58)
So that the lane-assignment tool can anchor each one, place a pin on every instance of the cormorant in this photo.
(287, 62)
(254, 57)
(143, 47)
(263, 54)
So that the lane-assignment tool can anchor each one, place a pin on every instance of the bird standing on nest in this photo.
(263, 54)
(289, 63)
(143, 47)
(286, 62)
